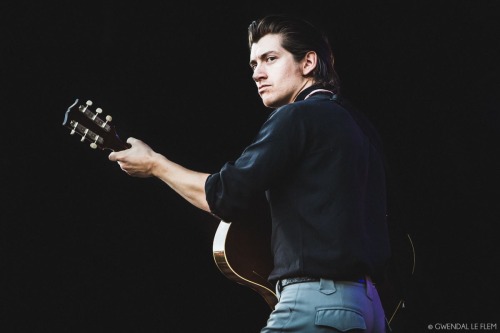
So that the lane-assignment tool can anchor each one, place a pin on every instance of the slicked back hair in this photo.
(298, 37)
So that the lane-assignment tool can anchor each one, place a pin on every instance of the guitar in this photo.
(241, 251)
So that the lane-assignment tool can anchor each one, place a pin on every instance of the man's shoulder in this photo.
(305, 107)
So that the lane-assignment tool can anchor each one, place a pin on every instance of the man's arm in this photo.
(142, 161)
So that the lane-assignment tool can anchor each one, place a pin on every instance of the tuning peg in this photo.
(97, 112)
(93, 145)
(87, 104)
(84, 134)
(73, 130)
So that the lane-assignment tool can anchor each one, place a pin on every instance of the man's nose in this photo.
(258, 73)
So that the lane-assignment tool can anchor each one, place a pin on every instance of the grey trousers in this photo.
(327, 306)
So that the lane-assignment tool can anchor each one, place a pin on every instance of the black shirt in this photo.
(322, 170)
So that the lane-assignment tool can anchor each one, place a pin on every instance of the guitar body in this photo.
(242, 254)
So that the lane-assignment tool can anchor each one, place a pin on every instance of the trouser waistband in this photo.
(288, 281)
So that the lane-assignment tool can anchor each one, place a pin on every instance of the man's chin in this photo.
(271, 103)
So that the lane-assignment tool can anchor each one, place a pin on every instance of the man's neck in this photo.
(306, 86)
(306, 91)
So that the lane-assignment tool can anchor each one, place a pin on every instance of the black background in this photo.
(85, 248)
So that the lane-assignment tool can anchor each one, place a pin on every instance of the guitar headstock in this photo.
(92, 128)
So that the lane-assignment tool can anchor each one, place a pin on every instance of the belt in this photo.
(288, 281)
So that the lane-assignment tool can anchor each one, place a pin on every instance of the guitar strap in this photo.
(334, 96)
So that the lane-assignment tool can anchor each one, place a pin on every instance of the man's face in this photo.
(278, 77)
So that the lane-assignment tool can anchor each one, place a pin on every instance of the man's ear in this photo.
(309, 63)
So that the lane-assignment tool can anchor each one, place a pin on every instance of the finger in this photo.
(115, 156)
(131, 140)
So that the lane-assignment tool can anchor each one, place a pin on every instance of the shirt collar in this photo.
(305, 93)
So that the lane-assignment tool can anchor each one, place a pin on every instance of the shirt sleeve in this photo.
(235, 189)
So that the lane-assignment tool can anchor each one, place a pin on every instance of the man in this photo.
(321, 168)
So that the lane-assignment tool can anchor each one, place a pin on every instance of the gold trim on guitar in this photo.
(252, 277)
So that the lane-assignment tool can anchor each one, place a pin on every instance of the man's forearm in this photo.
(187, 183)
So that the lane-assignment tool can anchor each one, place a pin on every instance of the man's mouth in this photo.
(263, 88)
